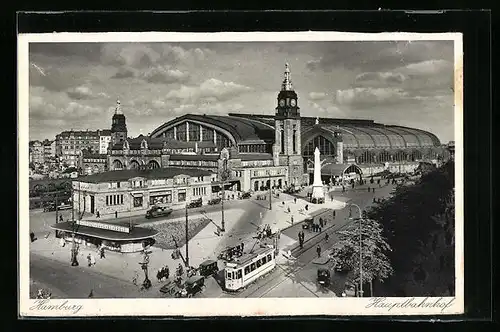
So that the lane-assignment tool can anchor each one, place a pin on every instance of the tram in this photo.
(249, 267)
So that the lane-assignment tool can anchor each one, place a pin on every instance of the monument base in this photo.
(318, 195)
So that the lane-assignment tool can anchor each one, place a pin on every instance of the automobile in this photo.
(349, 289)
(192, 286)
(208, 268)
(245, 195)
(158, 211)
(49, 207)
(308, 223)
(324, 277)
(196, 203)
(215, 201)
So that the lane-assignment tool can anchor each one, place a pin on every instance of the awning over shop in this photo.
(136, 233)
(137, 194)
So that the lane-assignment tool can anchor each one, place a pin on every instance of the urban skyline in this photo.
(75, 86)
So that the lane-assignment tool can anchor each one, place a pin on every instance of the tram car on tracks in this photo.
(248, 268)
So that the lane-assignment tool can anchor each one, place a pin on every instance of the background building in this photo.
(36, 152)
(104, 140)
(69, 144)
(49, 149)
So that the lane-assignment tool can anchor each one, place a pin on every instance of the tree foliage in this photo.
(418, 223)
(376, 264)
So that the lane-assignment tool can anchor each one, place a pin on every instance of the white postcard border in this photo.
(220, 306)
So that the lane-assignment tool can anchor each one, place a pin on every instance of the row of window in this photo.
(199, 191)
(263, 148)
(114, 200)
(271, 172)
(250, 268)
(203, 163)
(257, 163)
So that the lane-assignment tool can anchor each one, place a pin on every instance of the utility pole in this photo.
(187, 239)
(223, 179)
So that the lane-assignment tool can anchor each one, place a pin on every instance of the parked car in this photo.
(208, 268)
(324, 277)
(215, 201)
(49, 207)
(196, 203)
(158, 211)
(245, 195)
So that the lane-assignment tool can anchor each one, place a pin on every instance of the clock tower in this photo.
(287, 130)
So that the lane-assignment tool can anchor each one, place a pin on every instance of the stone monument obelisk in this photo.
(318, 192)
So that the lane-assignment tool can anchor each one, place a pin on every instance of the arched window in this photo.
(134, 164)
(326, 148)
(153, 164)
(400, 156)
(117, 165)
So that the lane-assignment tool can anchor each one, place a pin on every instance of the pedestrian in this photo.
(369, 189)
(288, 210)
(307, 207)
(321, 222)
(260, 214)
(89, 261)
(98, 215)
(102, 252)
(326, 237)
(62, 242)
(92, 260)
(295, 200)
(319, 229)
(343, 188)
(352, 185)
(242, 246)
(318, 250)
(61, 218)
(116, 214)
(91, 295)
(291, 219)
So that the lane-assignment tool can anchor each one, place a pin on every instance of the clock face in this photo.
(292, 102)
(282, 102)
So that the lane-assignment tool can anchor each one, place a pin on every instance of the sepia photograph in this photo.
(240, 174)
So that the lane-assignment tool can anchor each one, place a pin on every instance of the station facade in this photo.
(254, 152)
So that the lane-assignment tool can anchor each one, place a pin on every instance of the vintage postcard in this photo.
(240, 174)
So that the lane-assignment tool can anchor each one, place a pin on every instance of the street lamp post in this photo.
(360, 250)
(224, 177)
(270, 191)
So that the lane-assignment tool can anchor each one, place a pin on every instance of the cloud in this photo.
(317, 95)
(365, 97)
(377, 78)
(327, 111)
(164, 75)
(50, 106)
(80, 92)
(212, 89)
(378, 55)
(123, 73)
(428, 67)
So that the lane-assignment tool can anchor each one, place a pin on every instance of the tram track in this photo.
(284, 274)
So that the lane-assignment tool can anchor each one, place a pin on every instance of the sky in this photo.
(76, 85)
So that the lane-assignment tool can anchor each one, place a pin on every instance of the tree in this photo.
(376, 264)
(418, 223)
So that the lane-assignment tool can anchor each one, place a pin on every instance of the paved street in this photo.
(112, 276)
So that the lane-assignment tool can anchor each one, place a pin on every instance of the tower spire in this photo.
(287, 82)
(118, 108)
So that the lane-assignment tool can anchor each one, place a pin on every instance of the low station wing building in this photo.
(132, 191)
(253, 152)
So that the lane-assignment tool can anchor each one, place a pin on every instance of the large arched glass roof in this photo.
(381, 140)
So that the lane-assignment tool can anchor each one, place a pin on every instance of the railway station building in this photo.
(257, 151)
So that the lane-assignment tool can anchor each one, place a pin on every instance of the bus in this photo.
(249, 267)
